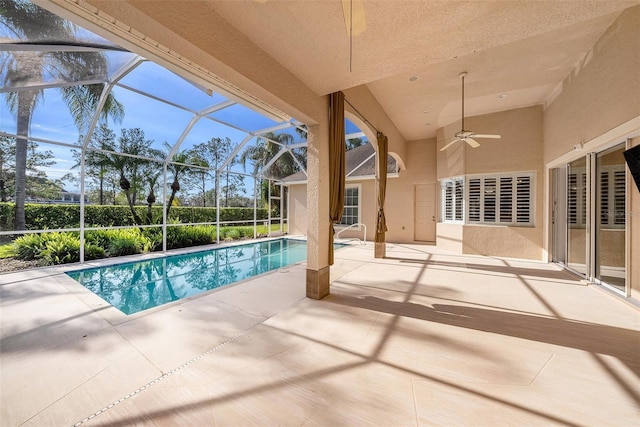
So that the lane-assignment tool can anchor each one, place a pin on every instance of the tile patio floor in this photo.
(423, 338)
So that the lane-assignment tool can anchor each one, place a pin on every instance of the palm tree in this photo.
(152, 180)
(264, 150)
(30, 22)
(178, 169)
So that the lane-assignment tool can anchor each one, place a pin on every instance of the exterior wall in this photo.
(297, 210)
(519, 149)
(602, 93)
(399, 204)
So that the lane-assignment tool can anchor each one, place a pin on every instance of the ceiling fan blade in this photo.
(354, 16)
(478, 135)
(472, 142)
(453, 141)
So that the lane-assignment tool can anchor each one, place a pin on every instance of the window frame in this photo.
(501, 192)
(340, 225)
(457, 187)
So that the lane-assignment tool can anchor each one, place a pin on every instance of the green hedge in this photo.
(51, 216)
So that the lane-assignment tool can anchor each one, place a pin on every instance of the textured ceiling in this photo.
(523, 49)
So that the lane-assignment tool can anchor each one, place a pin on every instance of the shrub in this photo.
(119, 242)
(7, 251)
(63, 216)
(93, 252)
(62, 248)
(29, 246)
(190, 235)
(230, 233)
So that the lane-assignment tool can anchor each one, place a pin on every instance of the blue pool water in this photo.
(140, 285)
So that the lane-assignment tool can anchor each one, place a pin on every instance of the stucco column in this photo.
(318, 223)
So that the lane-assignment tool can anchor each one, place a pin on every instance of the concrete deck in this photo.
(422, 337)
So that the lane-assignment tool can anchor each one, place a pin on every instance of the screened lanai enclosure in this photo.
(105, 153)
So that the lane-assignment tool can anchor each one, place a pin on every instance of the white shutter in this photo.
(489, 203)
(474, 200)
(523, 199)
(506, 199)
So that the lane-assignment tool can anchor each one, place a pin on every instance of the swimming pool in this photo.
(135, 286)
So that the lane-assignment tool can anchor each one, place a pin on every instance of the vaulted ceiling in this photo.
(522, 50)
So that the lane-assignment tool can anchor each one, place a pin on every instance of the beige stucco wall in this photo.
(602, 93)
(399, 205)
(297, 210)
(519, 149)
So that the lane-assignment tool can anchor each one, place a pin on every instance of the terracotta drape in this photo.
(381, 172)
(336, 163)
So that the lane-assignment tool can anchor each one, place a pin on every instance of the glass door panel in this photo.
(559, 215)
(610, 249)
(577, 215)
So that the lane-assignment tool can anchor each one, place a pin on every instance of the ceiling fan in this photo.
(466, 135)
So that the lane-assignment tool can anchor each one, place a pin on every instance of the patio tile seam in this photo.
(165, 375)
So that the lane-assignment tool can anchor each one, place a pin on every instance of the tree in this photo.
(131, 143)
(267, 146)
(29, 22)
(97, 166)
(215, 152)
(178, 170)
(35, 180)
(354, 143)
(152, 177)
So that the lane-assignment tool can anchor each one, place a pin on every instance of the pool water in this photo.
(140, 285)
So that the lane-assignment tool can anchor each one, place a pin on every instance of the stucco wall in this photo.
(519, 149)
(399, 205)
(602, 93)
(297, 210)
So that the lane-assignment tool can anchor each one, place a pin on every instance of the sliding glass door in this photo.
(589, 217)
(610, 221)
(577, 216)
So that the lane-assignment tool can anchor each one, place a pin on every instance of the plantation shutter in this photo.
(459, 195)
(506, 199)
(474, 200)
(489, 214)
(523, 199)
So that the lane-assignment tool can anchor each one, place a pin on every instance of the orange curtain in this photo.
(381, 172)
(336, 163)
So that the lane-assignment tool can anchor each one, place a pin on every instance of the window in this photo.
(505, 199)
(351, 212)
(452, 191)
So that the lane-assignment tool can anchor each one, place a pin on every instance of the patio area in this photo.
(423, 337)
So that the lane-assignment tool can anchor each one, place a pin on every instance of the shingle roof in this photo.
(354, 164)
